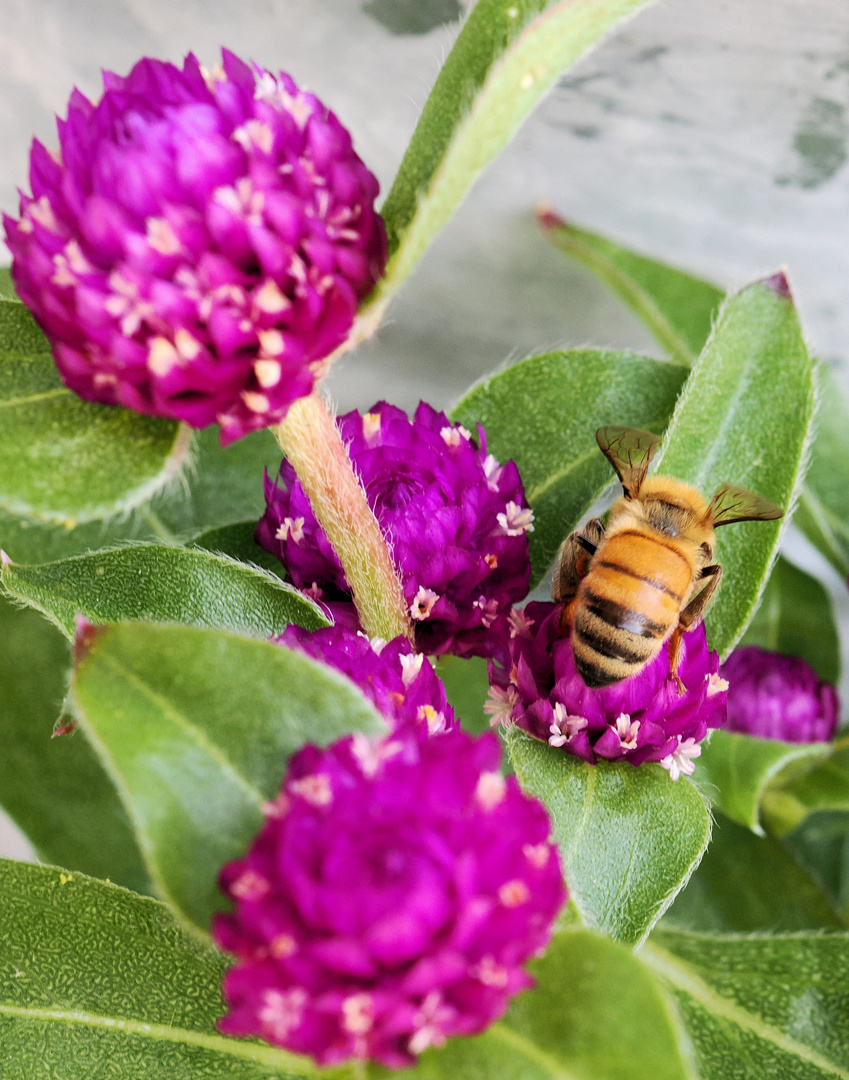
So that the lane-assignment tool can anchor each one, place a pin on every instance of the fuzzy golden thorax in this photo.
(670, 509)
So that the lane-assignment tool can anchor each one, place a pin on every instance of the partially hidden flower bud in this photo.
(455, 519)
(778, 697)
(400, 683)
(646, 717)
(389, 902)
(198, 244)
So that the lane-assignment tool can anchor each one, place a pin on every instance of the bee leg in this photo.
(573, 560)
(690, 616)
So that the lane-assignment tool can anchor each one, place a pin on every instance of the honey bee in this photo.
(649, 574)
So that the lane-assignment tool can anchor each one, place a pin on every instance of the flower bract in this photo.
(778, 697)
(647, 717)
(198, 244)
(455, 520)
(389, 902)
(399, 682)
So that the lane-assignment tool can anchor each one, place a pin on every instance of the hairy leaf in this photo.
(761, 1006)
(747, 884)
(570, 1025)
(65, 459)
(467, 686)
(824, 786)
(160, 583)
(796, 618)
(732, 424)
(677, 308)
(823, 510)
(195, 727)
(55, 788)
(629, 837)
(237, 540)
(96, 981)
(543, 413)
(505, 58)
(735, 771)
(820, 845)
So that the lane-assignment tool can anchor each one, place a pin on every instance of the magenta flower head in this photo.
(198, 244)
(455, 519)
(389, 901)
(778, 697)
(400, 683)
(644, 718)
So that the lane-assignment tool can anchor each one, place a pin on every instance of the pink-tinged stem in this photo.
(311, 441)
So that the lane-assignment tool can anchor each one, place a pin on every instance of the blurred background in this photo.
(708, 133)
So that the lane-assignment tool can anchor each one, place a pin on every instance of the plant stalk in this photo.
(313, 444)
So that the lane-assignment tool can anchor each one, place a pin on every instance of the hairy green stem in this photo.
(313, 444)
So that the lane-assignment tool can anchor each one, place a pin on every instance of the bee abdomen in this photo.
(611, 641)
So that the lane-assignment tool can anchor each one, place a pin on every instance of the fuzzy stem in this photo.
(313, 444)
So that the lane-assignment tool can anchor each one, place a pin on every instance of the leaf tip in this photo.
(546, 217)
(779, 284)
(84, 638)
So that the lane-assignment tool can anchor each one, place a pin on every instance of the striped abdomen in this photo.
(628, 605)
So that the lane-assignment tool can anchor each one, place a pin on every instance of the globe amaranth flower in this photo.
(389, 901)
(778, 697)
(646, 717)
(198, 244)
(455, 519)
(400, 683)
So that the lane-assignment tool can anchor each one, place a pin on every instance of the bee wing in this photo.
(629, 452)
(730, 504)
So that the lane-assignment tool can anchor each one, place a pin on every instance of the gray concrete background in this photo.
(710, 133)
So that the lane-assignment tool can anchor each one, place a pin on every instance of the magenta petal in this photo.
(643, 718)
(174, 172)
(457, 518)
(441, 872)
(778, 697)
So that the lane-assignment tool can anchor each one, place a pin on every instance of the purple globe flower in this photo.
(455, 518)
(400, 683)
(198, 244)
(389, 901)
(778, 697)
(644, 718)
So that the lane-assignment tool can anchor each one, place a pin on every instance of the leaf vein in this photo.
(264, 1055)
(671, 969)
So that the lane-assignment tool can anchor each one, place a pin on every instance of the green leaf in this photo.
(195, 727)
(823, 510)
(159, 583)
(27, 540)
(505, 58)
(543, 414)
(65, 459)
(7, 288)
(759, 1007)
(97, 981)
(56, 789)
(747, 884)
(745, 418)
(824, 786)
(677, 308)
(796, 618)
(223, 487)
(735, 771)
(629, 837)
(571, 1025)
(820, 845)
(467, 687)
(238, 542)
